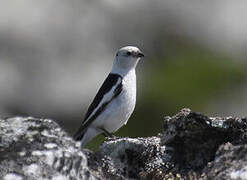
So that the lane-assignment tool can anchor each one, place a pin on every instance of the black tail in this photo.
(79, 134)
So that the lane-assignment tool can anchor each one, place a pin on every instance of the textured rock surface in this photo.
(38, 149)
(192, 146)
(207, 147)
(129, 158)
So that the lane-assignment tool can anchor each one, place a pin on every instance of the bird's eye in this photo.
(128, 53)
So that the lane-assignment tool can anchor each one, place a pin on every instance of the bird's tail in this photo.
(85, 135)
(79, 134)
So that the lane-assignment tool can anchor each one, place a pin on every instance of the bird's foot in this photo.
(107, 134)
(113, 138)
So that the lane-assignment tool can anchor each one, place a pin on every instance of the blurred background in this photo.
(54, 55)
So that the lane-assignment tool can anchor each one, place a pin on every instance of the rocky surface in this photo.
(204, 147)
(39, 149)
(191, 146)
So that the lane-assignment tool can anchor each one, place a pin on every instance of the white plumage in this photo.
(116, 99)
(119, 110)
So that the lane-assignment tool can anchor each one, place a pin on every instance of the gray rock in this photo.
(192, 146)
(129, 158)
(230, 163)
(33, 148)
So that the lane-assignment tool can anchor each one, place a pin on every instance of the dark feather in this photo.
(109, 82)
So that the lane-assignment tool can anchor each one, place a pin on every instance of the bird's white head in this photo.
(126, 59)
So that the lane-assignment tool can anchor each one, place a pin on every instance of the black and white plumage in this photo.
(115, 100)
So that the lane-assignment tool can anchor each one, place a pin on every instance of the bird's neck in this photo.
(124, 66)
(123, 72)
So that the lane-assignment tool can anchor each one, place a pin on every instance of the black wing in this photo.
(109, 82)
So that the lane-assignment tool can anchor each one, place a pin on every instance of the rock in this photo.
(192, 146)
(195, 138)
(230, 163)
(129, 158)
(198, 141)
(33, 148)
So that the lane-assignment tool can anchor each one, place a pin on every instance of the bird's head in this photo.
(126, 59)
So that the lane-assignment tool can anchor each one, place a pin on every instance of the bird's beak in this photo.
(140, 54)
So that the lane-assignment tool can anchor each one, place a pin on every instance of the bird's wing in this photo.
(109, 90)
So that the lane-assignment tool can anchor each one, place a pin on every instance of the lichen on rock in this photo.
(32, 148)
(191, 146)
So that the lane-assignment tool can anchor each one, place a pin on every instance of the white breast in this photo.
(117, 113)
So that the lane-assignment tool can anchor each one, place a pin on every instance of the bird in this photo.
(115, 100)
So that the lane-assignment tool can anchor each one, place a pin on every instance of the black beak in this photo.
(140, 54)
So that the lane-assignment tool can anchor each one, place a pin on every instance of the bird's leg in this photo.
(106, 133)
